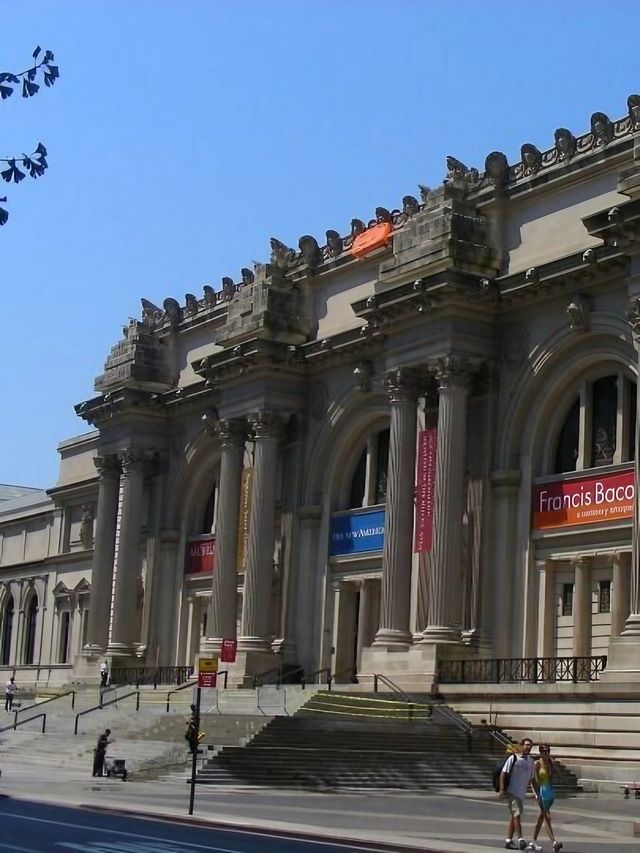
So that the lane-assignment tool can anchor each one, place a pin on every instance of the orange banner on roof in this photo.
(371, 239)
(583, 500)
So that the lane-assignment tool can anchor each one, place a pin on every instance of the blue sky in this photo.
(182, 134)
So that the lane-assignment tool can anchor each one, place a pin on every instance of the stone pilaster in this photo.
(258, 577)
(124, 622)
(620, 591)
(231, 434)
(582, 607)
(395, 602)
(445, 580)
(546, 604)
(103, 555)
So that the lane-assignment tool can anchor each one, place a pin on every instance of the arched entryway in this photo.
(7, 631)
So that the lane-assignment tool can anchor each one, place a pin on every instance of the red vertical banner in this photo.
(425, 488)
(228, 651)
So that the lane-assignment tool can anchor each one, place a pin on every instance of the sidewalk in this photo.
(454, 821)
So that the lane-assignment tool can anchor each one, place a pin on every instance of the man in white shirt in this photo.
(515, 779)
(9, 693)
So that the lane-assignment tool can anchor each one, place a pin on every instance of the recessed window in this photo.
(369, 480)
(604, 597)
(567, 599)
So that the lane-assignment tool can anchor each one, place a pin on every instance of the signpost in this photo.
(207, 674)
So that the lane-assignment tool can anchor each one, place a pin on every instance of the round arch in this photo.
(193, 483)
(541, 387)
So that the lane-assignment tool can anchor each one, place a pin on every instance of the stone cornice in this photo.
(123, 403)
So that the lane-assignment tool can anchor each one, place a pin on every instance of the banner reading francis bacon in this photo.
(583, 500)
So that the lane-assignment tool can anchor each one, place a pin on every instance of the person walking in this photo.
(544, 771)
(100, 751)
(104, 673)
(515, 779)
(9, 693)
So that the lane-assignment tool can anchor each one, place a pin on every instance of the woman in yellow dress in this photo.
(543, 787)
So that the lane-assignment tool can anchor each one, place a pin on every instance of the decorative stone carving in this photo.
(383, 215)
(309, 250)
(266, 425)
(172, 310)
(424, 192)
(531, 158)
(295, 355)
(424, 302)
(515, 345)
(577, 313)
(151, 314)
(410, 206)
(456, 170)
(210, 421)
(532, 277)
(231, 431)
(191, 303)
(565, 143)
(451, 370)
(86, 526)
(210, 297)
(601, 128)
(228, 288)
(490, 289)
(633, 104)
(362, 374)
(248, 276)
(334, 243)
(401, 385)
(589, 257)
(107, 466)
(633, 317)
(132, 459)
(497, 169)
(319, 396)
(282, 256)
(357, 227)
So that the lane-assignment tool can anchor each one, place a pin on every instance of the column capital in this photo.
(582, 560)
(231, 432)
(633, 318)
(403, 385)
(266, 425)
(452, 371)
(108, 466)
(132, 459)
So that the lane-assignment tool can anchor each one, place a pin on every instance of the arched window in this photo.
(63, 648)
(7, 629)
(30, 630)
(599, 428)
(369, 480)
(208, 524)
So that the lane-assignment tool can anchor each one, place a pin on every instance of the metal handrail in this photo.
(135, 693)
(512, 670)
(307, 678)
(398, 691)
(260, 675)
(15, 724)
(176, 689)
(332, 676)
(104, 690)
(71, 693)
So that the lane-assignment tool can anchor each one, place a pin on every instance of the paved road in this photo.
(29, 827)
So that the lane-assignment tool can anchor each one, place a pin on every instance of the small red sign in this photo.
(228, 651)
(201, 554)
(425, 489)
(207, 679)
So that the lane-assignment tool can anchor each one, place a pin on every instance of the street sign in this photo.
(228, 651)
(207, 672)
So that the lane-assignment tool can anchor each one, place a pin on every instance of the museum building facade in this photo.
(412, 444)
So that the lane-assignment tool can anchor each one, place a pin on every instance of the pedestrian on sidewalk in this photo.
(100, 751)
(104, 673)
(515, 779)
(9, 693)
(544, 772)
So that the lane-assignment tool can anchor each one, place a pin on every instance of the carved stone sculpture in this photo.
(309, 250)
(456, 170)
(150, 312)
(497, 169)
(383, 215)
(531, 158)
(410, 205)
(633, 103)
(86, 526)
(191, 303)
(228, 288)
(601, 128)
(565, 143)
(248, 276)
(424, 192)
(362, 374)
(334, 243)
(281, 256)
(209, 296)
(577, 314)
(172, 310)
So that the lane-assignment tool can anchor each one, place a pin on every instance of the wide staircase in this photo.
(359, 741)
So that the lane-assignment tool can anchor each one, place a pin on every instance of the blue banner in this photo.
(356, 532)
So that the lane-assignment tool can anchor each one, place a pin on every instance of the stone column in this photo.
(620, 591)
(395, 604)
(582, 607)
(231, 434)
(364, 619)
(103, 555)
(123, 626)
(546, 606)
(445, 579)
(259, 572)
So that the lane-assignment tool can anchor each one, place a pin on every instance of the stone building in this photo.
(412, 444)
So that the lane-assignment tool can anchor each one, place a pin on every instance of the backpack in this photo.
(497, 771)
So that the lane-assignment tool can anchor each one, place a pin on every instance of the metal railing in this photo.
(332, 677)
(71, 693)
(414, 704)
(155, 675)
(192, 684)
(512, 670)
(309, 679)
(135, 693)
(283, 675)
(14, 725)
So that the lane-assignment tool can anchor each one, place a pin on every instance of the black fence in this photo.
(512, 670)
(150, 675)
